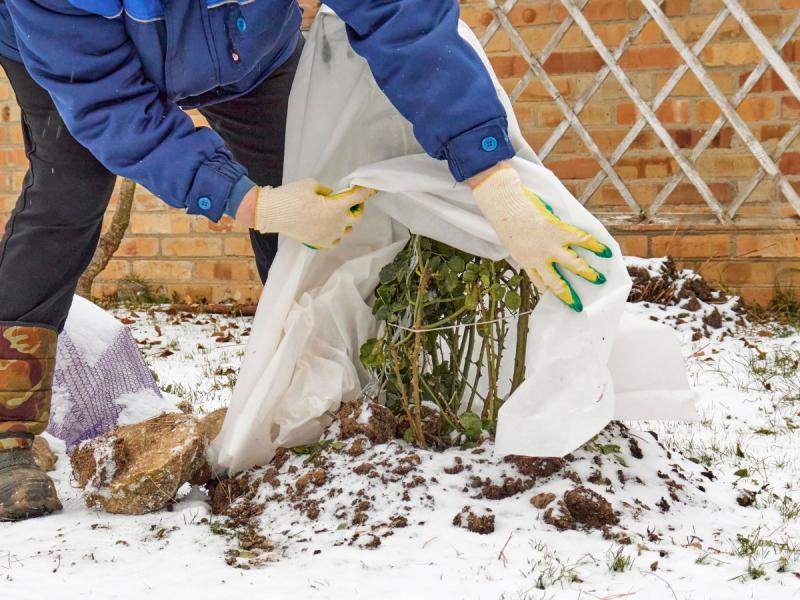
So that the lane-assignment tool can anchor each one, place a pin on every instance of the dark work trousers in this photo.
(53, 230)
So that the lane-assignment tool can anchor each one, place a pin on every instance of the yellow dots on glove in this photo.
(536, 238)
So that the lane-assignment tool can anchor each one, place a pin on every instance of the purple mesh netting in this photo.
(86, 395)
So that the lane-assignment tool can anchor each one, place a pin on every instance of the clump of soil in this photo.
(537, 467)
(467, 519)
(672, 287)
(706, 311)
(589, 508)
(431, 423)
(506, 488)
(358, 493)
(372, 420)
(581, 506)
(543, 500)
(646, 288)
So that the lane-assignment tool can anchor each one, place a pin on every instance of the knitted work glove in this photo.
(535, 237)
(309, 212)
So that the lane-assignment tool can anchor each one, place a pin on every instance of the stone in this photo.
(212, 423)
(136, 469)
(44, 457)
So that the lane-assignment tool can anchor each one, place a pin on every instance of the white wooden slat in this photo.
(645, 110)
(741, 128)
(751, 185)
(763, 45)
(546, 52)
(494, 26)
(656, 103)
(720, 121)
(598, 80)
(551, 89)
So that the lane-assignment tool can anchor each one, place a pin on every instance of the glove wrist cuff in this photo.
(499, 194)
(274, 210)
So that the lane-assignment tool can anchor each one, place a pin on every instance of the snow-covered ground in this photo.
(730, 529)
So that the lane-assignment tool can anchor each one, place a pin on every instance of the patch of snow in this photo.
(141, 406)
(746, 440)
(91, 329)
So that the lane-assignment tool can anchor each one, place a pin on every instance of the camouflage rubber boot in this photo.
(25, 490)
(27, 361)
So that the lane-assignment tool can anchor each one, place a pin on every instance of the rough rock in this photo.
(43, 455)
(139, 468)
(211, 424)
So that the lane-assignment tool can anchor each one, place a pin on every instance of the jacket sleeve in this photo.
(91, 69)
(433, 77)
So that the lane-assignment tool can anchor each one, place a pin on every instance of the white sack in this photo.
(302, 359)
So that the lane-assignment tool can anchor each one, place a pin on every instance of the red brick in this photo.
(162, 270)
(633, 245)
(650, 58)
(790, 163)
(790, 107)
(691, 246)
(238, 246)
(155, 223)
(137, 246)
(674, 111)
(768, 245)
(577, 168)
(596, 10)
(225, 270)
(770, 81)
(688, 138)
(573, 62)
(191, 246)
(731, 54)
(757, 295)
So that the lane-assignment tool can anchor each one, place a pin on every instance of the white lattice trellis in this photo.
(686, 160)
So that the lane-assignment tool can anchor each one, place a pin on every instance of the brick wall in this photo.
(192, 257)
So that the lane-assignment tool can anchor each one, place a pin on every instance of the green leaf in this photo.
(472, 425)
(408, 435)
(469, 277)
(383, 313)
(471, 299)
(514, 281)
(388, 273)
(497, 291)
(741, 473)
(371, 354)
(513, 300)
(609, 448)
(457, 264)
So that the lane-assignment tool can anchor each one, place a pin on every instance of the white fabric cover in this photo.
(302, 359)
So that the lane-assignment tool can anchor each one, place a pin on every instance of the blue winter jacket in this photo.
(119, 72)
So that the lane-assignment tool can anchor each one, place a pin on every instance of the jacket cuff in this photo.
(213, 186)
(478, 149)
(239, 191)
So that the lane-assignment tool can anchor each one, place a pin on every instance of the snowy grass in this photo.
(740, 539)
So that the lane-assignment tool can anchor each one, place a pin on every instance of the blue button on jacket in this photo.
(119, 72)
